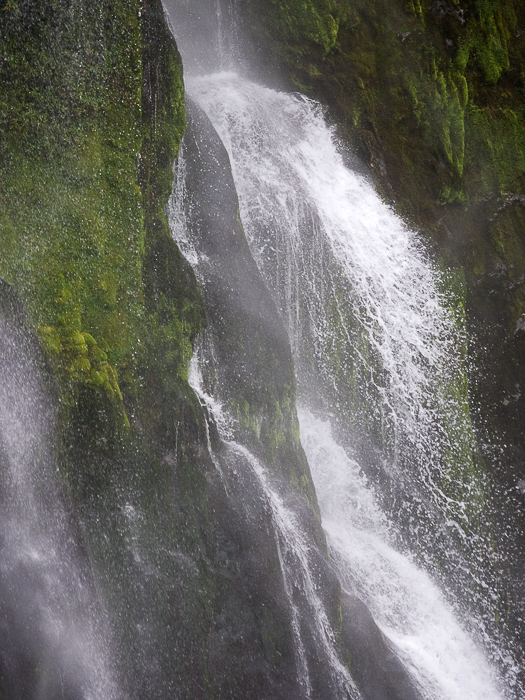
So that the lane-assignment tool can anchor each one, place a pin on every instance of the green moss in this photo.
(307, 25)
(71, 205)
(462, 483)
(80, 226)
(273, 426)
(432, 99)
(488, 37)
(495, 149)
(173, 303)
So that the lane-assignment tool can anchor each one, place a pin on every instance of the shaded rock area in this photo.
(375, 666)
(254, 359)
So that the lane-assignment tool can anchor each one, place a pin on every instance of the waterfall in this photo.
(293, 550)
(407, 605)
(51, 643)
(377, 334)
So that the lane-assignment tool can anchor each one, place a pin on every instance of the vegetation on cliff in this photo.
(91, 117)
(85, 99)
(432, 94)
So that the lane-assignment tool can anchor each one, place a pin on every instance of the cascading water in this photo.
(344, 270)
(377, 340)
(51, 645)
(406, 604)
(294, 555)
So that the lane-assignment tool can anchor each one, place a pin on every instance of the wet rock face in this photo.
(247, 325)
(376, 668)
(255, 368)
(440, 8)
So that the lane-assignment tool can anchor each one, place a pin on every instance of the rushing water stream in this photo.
(294, 555)
(378, 343)
(406, 604)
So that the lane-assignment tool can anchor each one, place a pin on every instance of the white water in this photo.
(293, 551)
(48, 606)
(312, 222)
(405, 603)
(302, 210)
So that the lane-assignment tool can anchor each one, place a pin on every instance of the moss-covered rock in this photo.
(82, 227)
(92, 113)
(71, 206)
(431, 96)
